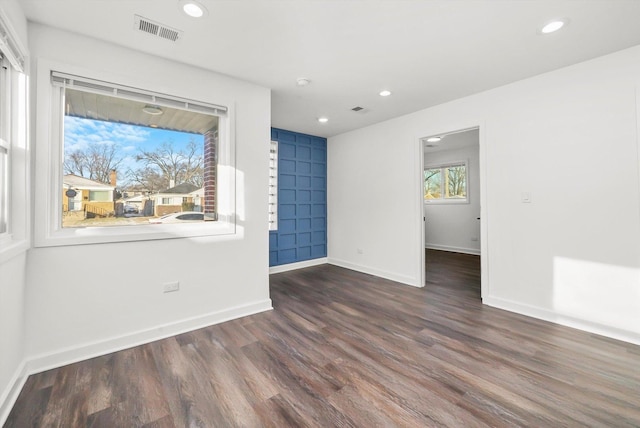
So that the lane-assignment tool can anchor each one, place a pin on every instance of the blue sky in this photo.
(80, 133)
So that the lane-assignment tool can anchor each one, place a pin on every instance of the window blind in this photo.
(10, 45)
(273, 186)
(134, 94)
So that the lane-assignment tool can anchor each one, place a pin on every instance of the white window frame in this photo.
(48, 230)
(14, 142)
(273, 185)
(442, 166)
(5, 149)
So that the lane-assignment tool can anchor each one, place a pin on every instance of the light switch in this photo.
(526, 197)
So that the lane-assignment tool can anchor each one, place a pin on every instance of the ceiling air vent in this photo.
(156, 29)
(360, 110)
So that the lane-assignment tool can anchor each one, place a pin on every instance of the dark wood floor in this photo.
(348, 349)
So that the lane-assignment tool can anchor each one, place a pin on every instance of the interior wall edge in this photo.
(392, 276)
(297, 265)
(564, 320)
(39, 363)
(12, 391)
(472, 251)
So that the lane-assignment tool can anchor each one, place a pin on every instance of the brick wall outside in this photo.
(210, 170)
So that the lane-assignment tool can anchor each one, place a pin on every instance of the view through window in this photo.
(131, 160)
(447, 182)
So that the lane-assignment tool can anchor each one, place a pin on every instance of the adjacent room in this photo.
(319, 213)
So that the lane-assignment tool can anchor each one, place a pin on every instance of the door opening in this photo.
(451, 208)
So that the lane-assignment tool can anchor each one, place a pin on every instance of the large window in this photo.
(446, 183)
(131, 156)
(133, 142)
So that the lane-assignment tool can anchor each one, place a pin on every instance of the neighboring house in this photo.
(90, 195)
(198, 199)
(136, 201)
(171, 200)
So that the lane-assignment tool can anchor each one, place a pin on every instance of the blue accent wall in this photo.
(302, 198)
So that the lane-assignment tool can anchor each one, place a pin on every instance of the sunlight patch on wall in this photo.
(597, 292)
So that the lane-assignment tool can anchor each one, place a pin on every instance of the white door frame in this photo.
(484, 238)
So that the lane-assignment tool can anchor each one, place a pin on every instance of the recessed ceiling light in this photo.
(193, 8)
(302, 81)
(323, 119)
(385, 93)
(152, 110)
(553, 26)
(434, 139)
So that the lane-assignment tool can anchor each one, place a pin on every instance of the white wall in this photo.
(90, 299)
(13, 254)
(569, 138)
(12, 329)
(454, 226)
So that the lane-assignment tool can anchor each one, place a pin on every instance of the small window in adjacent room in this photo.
(446, 183)
(273, 186)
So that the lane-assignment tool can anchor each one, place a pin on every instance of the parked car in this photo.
(183, 217)
(130, 209)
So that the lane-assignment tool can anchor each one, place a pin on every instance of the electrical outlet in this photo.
(170, 287)
(359, 251)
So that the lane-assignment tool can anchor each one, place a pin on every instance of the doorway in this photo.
(451, 179)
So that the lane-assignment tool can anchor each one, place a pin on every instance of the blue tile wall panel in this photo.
(302, 198)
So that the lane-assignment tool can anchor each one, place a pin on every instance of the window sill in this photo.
(115, 234)
(10, 248)
(446, 202)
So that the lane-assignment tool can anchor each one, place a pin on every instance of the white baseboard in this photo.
(568, 321)
(297, 265)
(11, 392)
(473, 251)
(85, 351)
(408, 280)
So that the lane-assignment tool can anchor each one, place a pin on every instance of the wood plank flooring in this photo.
(346, 349)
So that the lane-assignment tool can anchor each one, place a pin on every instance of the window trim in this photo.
(443, 201)
(15, 135)
(5, 148)
(48, 230)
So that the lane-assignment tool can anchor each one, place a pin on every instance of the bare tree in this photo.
(181, 166)
(76, 163)
(146, 179)
(457, 180)
(431, 187)
(94, 163)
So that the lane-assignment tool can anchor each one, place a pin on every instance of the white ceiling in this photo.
(426, 52)
(453, 141)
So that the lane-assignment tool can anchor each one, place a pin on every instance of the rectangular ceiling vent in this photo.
(360, 110)
(156, 29)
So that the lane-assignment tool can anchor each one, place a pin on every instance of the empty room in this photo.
(291, 213)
